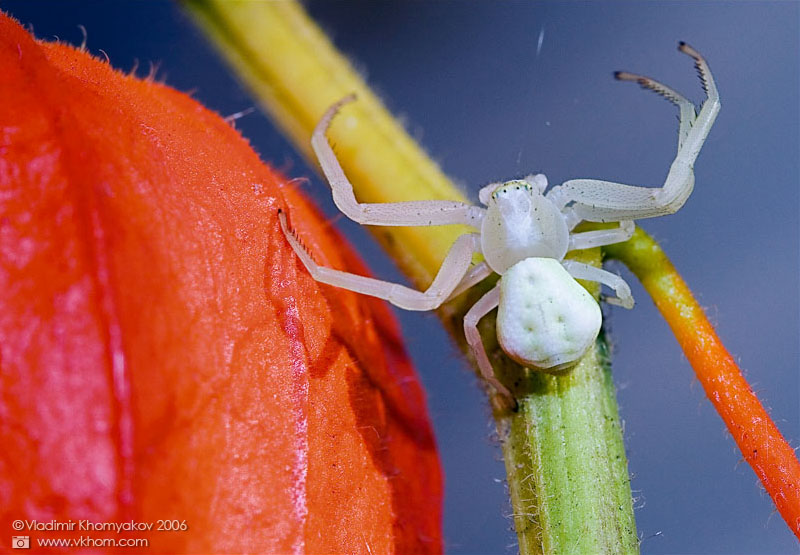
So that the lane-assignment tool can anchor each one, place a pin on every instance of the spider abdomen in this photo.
(545, 320)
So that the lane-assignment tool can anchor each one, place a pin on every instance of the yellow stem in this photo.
(297, 74)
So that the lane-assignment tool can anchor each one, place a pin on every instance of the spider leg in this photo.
(450, 274)
(601, 237)
(687, 113)
(474, 276)
(605, 201)
(480, 309)
(579, 270)
(411, 213)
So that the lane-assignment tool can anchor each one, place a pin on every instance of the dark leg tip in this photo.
(686, 49)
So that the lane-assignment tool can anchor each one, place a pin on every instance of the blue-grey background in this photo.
(488, 104)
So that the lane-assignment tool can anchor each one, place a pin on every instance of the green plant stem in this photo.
(564, 454)
(567, 434)
(566, 465)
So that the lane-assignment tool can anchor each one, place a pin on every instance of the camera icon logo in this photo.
(20, 542)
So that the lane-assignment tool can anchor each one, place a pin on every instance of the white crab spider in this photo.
(546, 320)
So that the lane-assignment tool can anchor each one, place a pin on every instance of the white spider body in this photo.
(546, 320)
(520, 223)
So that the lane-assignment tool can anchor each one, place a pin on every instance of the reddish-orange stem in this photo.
(759, 439)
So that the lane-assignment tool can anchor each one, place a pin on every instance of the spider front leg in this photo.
(411, 213)
(605, 201)
(450, 275)
(480, 309)
(687, 113)
(579, 270)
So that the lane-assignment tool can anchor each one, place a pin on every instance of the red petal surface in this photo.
(163, 354)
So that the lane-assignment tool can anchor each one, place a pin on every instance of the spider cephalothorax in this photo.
(520, 223)
(546, 320)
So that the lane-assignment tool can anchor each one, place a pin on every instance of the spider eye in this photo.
(510, 188)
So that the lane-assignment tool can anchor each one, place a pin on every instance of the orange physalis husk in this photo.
(164, 355)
